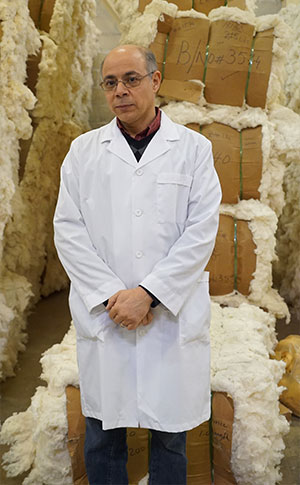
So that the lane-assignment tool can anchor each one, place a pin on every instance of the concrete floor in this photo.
(47, 326)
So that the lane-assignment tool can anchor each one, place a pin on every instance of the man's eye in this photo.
(110, 83)
(132, 79)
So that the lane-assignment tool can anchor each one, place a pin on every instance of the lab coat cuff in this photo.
(172, 301)
(101, 295)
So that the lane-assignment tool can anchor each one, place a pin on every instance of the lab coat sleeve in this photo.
(89, 274)
(173, 277)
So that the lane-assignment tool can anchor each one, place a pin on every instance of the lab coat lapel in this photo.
(118, 144)
(161, 142)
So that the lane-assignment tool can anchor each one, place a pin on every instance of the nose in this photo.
(121, 89)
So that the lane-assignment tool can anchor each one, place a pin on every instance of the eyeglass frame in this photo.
(140, 78)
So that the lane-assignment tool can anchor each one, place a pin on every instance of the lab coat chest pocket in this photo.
(88, 325)
(172, 196)
(194, 317)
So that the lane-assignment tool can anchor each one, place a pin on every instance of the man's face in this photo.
(133, 106)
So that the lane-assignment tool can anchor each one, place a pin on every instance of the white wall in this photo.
(108, 24)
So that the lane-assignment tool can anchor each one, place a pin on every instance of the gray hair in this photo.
(150, 60)
(151, 64)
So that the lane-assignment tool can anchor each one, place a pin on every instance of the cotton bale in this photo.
(59, 403)
(61, 114)
(19, 39)
(222, 422)
(238, 159)
(204, 6)
(180, 51)
(198, 447)
(242, 340)
(291, 16)
(262, 223)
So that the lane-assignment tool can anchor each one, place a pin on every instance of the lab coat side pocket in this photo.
(194, 317)
(88, 325)
(172, 198)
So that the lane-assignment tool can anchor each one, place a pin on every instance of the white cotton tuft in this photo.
(242, 339)
(38, 437)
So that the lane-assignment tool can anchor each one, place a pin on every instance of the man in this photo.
(135, 226)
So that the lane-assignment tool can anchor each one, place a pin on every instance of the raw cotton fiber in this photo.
(287, 268)
(64, 95)
(18, 39)
(262, 223)
(61, 113)
(287, 144)
(38, 436)
(242, 339)
(291, 16)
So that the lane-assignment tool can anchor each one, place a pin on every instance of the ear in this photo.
(156, 80)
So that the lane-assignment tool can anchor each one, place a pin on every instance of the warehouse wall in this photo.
(108, 23)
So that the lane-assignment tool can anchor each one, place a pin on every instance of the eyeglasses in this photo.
(131, 81)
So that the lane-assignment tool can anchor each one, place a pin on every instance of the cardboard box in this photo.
(198, 447)
(181, 4)
(261, 68)
(198, 453)
(41, 13)
(76, 434)
(238, 159)
(138, 454)
(233, 260)
(222, 422)
(180, 47)
(204, 6)
(46, 14)
(286, 412)
(32, 70)
(137, 441)
(34, 10)
(234, 65)
(228, 62)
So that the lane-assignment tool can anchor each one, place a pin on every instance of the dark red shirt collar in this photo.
(154, 125)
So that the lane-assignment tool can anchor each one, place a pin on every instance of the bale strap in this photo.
(165, 57)
(235, 264)
(241, 165)
(250, 66)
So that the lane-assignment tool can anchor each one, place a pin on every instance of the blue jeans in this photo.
(105, 455)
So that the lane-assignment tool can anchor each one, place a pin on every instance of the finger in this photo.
(144, 320)
(112, 300)
(132, 326)
(113, 314)
(118, 319)
(148, 319)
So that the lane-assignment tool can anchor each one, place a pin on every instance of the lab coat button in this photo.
(138, 254)
(142, 332)
(139, 171)
(138, 212)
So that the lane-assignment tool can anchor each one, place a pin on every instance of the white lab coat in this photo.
(118, 224)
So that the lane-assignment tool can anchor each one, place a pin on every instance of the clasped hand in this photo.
(130, 308)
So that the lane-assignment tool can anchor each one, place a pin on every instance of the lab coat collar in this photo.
(160, 143)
